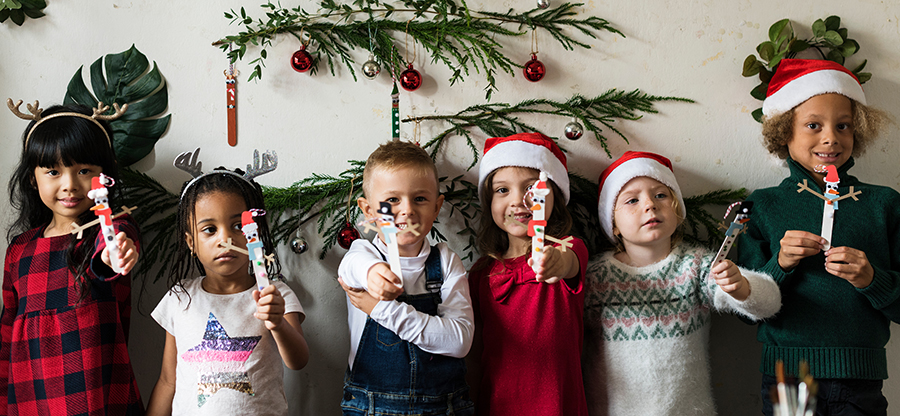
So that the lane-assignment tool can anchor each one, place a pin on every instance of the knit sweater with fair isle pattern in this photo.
(647, 332)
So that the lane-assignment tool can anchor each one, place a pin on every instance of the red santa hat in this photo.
(832, 175)
(632, 165)
(797, 80)
(247, 218)
(527, 150)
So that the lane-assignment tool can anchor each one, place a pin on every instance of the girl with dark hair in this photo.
(66, 313)
(225, 338)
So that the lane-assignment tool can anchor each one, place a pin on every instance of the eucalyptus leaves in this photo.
(829, 39)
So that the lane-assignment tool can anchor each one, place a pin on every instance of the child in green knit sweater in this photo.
(841, 291)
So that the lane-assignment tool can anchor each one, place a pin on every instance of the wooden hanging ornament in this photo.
(231, 102)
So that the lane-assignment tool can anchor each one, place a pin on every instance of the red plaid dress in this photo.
(59, 356)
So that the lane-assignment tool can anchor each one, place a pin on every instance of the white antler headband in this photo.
(36, 111)
(188, 162)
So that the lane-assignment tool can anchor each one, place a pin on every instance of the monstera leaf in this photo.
(128, 81)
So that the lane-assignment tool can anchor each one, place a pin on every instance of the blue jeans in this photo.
(838, 397)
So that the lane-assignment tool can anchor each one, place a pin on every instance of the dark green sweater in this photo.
(840, 330)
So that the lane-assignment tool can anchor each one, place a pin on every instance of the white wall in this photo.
(692, 49)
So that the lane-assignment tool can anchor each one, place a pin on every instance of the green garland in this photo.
(452, 34)
(829, 39)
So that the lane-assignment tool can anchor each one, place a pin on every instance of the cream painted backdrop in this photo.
(691, 49)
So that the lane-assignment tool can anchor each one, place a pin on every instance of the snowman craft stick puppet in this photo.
(255, 246)
(736, 227)
(831, 198)
(535, 200)
(387, 228)
(101, 208)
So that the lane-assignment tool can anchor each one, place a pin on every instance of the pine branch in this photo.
(501, 119)
(453, 35)
(700, 226)
(154, 202)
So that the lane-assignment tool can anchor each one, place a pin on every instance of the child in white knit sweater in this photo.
(647, 307)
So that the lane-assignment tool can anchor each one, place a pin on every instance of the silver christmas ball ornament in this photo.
(574, 130)
(370, 68)
(299, 245)
(543, 3)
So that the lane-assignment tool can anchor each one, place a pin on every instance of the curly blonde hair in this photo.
(868, 122)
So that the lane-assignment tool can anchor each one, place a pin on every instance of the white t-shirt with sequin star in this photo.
(228, 362)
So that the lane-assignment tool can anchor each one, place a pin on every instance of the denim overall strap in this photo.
(396, 377)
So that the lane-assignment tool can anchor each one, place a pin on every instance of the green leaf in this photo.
(17, 16)
(835, 55)
(760, 91)
(765, 75)
(832, 22)
(863, 77)
(757, 115)
(843, 32)
(777, 30)
(833, 38)
(12, 4)
(860, 67)
(775, 61)
(848, 48)
(127, 81)
(818, 28)
(798, 45)
(751, 66)
(4, 14)
(766, 50)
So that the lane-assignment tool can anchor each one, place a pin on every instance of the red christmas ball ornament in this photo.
(301, 60)
(347, 235)
(410, 79)
(534, 70)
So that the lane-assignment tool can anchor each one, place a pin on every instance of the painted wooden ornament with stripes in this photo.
(231, 100)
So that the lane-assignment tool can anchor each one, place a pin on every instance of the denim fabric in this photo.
(838, 397)
(391, 376)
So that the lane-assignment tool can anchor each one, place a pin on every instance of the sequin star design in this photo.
(219, 360)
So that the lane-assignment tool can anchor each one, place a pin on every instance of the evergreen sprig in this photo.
(501, 119)
(156, 216)
(451, 33)
(700, 227)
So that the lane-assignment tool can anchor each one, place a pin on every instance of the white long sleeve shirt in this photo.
(447, 333)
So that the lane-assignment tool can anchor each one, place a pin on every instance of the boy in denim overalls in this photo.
(409, 334)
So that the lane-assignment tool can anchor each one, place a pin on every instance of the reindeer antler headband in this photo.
(36, 111)
(188, 162)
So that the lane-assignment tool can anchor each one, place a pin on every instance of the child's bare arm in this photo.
(730, 279)
(555, 265)
(285, 328)
(164, 391)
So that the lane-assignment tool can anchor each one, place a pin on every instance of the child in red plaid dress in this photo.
(66, 313)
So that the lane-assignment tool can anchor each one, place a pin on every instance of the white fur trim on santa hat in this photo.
(526, 155)
(810, 85)
(619, 177)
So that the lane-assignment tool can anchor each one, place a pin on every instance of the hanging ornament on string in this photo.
(371, 68)
(395, 110)
(410, 79)
(301, 60)
(574, 130)
(299, 244)
(543, 3)
(534, 69)
(348, 233)
(231, 100)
